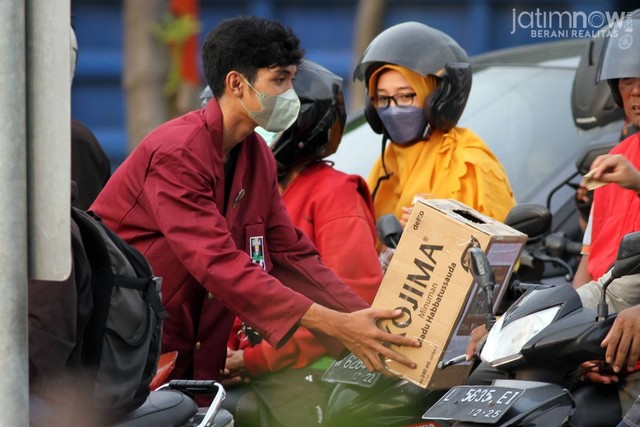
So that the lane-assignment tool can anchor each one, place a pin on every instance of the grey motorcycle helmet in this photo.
(318, 130)
(592, 104)
(426, 51)
(619, 58)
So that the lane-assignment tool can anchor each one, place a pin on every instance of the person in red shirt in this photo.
(335, 211)
(615, 211)
(616, 208)
(199, 198)
(622, 343)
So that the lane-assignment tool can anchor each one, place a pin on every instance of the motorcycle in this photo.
(171, 405)
(539, 343)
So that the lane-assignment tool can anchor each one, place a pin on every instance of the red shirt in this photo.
(335, 210)
(167, 200)
(616, 212)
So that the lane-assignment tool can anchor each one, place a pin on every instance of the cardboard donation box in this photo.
(429, 279)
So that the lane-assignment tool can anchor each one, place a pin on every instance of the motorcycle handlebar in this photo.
(558, 245)
(519, 288)
(194, 386)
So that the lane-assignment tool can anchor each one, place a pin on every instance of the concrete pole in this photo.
(35, 173)
(48, 57)
(13, 216)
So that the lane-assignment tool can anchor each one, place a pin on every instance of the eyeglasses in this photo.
(400, 99)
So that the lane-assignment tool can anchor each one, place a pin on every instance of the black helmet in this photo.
(318, 130)
(426, 51)
(592, 103)
(619, 58)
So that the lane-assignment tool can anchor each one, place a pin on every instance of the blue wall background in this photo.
(325, 27)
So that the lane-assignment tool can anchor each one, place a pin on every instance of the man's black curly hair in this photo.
(245, 44)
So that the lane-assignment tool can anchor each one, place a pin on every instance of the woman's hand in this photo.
(234, 371)
(406, 213)
(477, 334)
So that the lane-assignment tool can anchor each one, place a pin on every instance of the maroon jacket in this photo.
(335, 210)
(167, 199)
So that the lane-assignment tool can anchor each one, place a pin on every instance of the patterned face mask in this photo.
(278, 112)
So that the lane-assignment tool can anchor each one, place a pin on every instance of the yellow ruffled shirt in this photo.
(456, 165)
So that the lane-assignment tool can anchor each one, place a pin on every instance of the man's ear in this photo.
(234, 83)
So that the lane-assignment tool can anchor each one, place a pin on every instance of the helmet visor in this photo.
(620, 58)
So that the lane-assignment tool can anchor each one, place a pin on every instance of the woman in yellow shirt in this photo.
(418, 81)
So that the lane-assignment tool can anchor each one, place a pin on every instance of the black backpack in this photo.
(121, 343)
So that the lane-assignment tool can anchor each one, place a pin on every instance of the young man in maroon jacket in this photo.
(281, 387)
(199, 198)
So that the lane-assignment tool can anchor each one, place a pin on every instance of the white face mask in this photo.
(278, 112)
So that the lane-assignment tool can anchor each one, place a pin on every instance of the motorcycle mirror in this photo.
(481, 269)
(530, 219)
(389, 230)
(483, 275)
(627, 262)
(628, 259)
(583, 163)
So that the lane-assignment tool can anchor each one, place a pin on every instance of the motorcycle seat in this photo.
(163, 408)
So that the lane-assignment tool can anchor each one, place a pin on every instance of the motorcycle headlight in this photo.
(506, 342)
